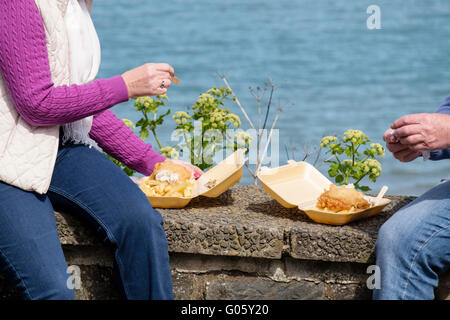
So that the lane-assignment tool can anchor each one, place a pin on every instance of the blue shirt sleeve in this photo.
(444, 153)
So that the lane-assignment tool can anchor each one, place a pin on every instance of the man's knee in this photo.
(393, 238)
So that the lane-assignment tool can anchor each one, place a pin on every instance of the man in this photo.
(413, 246)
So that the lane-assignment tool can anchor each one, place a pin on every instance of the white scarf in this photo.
(84, 48)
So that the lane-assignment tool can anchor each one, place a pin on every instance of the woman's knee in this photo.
(142, 218)
(50, 288)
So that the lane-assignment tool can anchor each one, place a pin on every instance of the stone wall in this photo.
(241, 245)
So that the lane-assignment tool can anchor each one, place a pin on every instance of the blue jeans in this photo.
(88, 184)
(413, 247)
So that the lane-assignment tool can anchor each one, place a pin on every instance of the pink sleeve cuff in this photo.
(149, 163)
(119, 89)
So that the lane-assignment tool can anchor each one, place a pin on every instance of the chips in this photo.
(176, 80)
(155, 188)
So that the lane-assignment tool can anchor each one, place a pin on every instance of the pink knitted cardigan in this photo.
(25, 68)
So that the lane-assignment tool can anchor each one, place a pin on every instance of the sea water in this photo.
(332, 72)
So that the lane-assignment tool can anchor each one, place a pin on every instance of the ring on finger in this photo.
(163, 84)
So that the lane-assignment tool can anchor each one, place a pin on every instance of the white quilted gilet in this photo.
(28, 153)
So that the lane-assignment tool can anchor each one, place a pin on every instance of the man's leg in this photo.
(30, 251)
(87, 183)
(413, 247)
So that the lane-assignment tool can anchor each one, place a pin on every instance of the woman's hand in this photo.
(197, 172)
(150, 79)
(423, 131)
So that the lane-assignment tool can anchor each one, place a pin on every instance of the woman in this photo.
(54, 123)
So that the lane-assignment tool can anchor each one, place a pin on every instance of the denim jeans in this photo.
(413, 247)
(87, 184)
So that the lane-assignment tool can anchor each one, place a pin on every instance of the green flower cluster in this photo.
(327, 140)
(210, 111)
(242, 139)
(355, 136)
(375, 149)
(169, 152)
(183, 120)
(150, 105)
(358, 164)
(150, 119)
(373, 168)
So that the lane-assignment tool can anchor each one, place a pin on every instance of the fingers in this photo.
(411, 156)
(419, 147)
(389, 136)
(162, 75)
(165, 82)
(159, 86)
(160, 70)
(412, 140)
(194, 169)
(407, 120)
(396, 147)
(408, 130)
(386, 135)
(406, 155)
(197, 171)
(160, 91)
(165, 67)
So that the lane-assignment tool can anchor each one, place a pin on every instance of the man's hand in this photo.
(422, 131)
(400, 152)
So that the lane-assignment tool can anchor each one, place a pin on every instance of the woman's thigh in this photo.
(30, 250)
(89, 180)
(87, 183)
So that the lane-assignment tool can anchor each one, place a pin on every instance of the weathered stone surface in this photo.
(199, 264)
(183, 286)
(241, 245)
(443, 292)
(222, 226)
(349, 291)
(97, 283)
(337, 272)
(354, 242)
(7, 290)
(75, 231)
(245, 221)
(101, 255)
(259, 289)
(341, 280)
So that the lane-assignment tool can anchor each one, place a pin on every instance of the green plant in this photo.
(207, 130)
(359, 164)
(150, 120)
(202, 145)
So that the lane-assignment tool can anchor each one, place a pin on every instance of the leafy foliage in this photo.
(213, 134)
(215, 120)
(359, 164)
